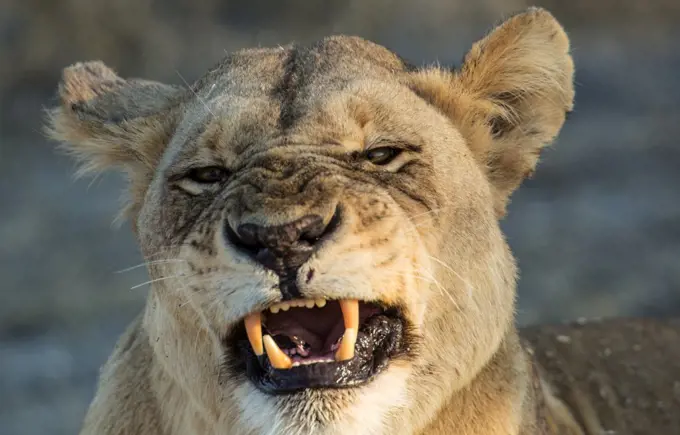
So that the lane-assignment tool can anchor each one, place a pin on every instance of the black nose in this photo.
(282, 248)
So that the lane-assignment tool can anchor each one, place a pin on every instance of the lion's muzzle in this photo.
(283, 248)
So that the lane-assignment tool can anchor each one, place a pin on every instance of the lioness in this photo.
(321, 227)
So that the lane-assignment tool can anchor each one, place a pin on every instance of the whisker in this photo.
(194, 92)
(407, 274)
(151, 281)
(415, 224)
(430, 279)
(149, 263)
(449, 268)
(430, 212)
(212, 88)
(165, 249)
(441, 289)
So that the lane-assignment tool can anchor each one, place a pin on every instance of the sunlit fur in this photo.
(421, 232)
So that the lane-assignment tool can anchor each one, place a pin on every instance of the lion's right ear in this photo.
(510, 97)
(106, 121)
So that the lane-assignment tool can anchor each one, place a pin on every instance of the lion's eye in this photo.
(208, 175)
(382, 155)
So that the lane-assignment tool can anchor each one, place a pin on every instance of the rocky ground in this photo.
(596, 232)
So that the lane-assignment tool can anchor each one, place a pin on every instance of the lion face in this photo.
(309, 250)
(321, 223)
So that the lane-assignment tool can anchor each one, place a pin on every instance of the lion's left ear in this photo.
(509, 98)
(106, 121)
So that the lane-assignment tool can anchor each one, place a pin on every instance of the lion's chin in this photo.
(341, 344)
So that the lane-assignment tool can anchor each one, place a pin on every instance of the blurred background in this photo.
(596, 232)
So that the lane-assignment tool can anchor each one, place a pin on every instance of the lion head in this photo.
(321, 222)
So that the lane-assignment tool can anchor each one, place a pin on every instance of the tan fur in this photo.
(421, 232)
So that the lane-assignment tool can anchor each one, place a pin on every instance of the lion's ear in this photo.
(105, 121)
(510, 97)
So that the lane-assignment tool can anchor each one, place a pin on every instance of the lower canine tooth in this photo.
(253, 323)
(277, 358)
(346, 350)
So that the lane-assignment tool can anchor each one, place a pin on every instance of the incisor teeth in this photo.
(346, 350)
(350, 313)
(253, 323)
(277, 358)
(297, 303)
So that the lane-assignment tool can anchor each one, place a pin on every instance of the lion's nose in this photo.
(282, 248)
(291, 243)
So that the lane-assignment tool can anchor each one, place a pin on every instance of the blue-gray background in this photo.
(596, 231)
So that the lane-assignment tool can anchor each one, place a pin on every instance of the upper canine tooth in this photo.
(350, 313)
(274, 308)
(346, 350)
(285, 306)
(277, 358)
(320, 303)
(253, 323)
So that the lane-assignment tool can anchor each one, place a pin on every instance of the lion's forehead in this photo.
(285, 72)
(300, 93)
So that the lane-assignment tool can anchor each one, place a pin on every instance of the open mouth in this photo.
(320, 343)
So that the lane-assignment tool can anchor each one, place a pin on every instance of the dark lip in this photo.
(381, 339)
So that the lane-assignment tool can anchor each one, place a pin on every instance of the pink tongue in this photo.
(296, 330)
(318, 327)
